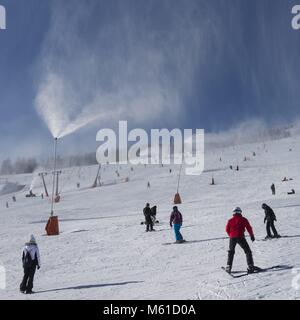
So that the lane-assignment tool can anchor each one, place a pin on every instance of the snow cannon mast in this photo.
(52, 227)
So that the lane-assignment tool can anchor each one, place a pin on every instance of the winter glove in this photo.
(171, 225)
(38, 267)
(252, 238)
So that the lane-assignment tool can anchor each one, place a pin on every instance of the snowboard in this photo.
(169, 243)
(273, 238)
(155, 222)
(239, 274)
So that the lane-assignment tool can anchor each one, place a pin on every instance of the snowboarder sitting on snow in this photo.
(148, 219)
(270, 218)
(31, 261)
(291, 192)
(235, 228)
(176, 221)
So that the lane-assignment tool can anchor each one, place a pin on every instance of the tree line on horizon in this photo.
(29, 165)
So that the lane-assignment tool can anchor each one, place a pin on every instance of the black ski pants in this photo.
(270, 226)
(27, 282)
(242, 242)
(149, 226)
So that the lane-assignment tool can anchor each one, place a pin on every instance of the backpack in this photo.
(27, 261)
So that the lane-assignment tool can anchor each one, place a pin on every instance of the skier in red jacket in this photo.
(235, 229)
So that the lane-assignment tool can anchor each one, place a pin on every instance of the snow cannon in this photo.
(52, 227)
(177, 199)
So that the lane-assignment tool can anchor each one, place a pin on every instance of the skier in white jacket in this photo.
(31, 261)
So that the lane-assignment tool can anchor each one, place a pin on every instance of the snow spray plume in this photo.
(34, 181)
(249, 132)
(119, 65)
(35, 178)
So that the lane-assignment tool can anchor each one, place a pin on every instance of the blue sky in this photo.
(188, 64)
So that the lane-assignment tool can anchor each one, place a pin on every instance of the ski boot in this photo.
(268, 237)
(251, 269)
(29, 292)
(228, 268)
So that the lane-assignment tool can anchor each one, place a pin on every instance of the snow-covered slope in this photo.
(103, 252)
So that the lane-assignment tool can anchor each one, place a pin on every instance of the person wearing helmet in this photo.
(235, 229)
(31, 261)
(270, 218)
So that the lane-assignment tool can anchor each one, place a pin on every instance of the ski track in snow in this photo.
(103, 252)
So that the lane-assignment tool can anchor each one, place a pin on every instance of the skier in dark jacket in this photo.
(235, 229)
(176, 222)
(270, 218)
(273, 189)
(31, 261)
(148, 218)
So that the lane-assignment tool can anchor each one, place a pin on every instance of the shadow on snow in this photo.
(91, 286)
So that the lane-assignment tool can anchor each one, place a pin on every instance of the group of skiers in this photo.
(14, 199)
(235, 229)
(175, 220)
